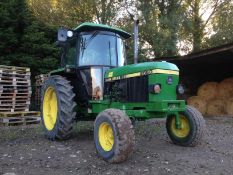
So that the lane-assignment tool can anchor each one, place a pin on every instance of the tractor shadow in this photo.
(83, 131)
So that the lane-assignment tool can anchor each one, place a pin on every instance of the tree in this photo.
(106, 11)
(222, 27)
(199, 14)
(11, 25)
(25, 41)
(70, 13)
(160, 22)
(57, 13)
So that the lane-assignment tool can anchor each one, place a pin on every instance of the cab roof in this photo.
(88, 26)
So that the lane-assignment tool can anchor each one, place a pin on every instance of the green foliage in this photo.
(160, 22)
(26, 41)
(28, 27)
(200, 15)
(57, 13)
(106, 11)
(222, 27)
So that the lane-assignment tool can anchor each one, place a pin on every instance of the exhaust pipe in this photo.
(136, 22)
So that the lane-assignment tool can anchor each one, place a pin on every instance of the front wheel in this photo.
(192, 127)
(113, 135)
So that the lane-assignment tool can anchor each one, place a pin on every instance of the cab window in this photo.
(70, 53)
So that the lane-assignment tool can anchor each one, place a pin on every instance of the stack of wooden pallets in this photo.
(19, 118)
(15, 89)
(40, 79)
(15, 92)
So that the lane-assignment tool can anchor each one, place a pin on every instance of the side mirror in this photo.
(63, 34)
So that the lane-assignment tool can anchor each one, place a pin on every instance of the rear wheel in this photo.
(192, 127)
(57, 108)
(113, 135)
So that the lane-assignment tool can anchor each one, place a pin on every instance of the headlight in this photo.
(155, 88)
(180, 89)
(70, 33)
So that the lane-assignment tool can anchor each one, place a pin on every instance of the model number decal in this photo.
(110, 74)
(138, 74)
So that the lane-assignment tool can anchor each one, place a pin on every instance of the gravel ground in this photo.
(24, 150)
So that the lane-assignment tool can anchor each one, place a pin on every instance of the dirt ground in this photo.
(24, 150)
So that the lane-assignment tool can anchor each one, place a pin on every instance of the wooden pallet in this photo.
(12, 121)
(20, 114)
(12, 89)
(14, 109)
(5, 97)
(10, 78)
(13, 100)
(14, 82)
(2, 102)
(9, 107)
(14, 68)
(14, 86)
(15, 89)
(6, 106)
(15, 94)
(15, 75)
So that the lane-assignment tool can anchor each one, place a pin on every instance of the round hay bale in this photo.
(215, 107)
(198, 102)
(228, 80)
(225, 89)
(208, 90)
(229, 107)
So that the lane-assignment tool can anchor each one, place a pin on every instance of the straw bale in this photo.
(229, 107)
(208, 90)
(215, 107)
(198, 102)
(225, 89)
(228, 80)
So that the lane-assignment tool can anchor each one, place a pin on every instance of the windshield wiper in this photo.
(85, 42)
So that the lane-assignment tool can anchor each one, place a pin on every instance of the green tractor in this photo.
(94, 83)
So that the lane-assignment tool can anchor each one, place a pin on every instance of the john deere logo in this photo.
(169, 79)
(110, 74)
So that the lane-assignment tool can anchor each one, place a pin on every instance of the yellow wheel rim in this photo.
(50, 108)
(106, 136)
(185, 128)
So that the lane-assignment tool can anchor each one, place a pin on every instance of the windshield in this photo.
(101, 49)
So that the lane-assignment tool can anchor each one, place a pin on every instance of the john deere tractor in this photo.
(94, 83)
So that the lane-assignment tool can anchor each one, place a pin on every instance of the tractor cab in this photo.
(90, 50)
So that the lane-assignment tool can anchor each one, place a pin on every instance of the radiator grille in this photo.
(128, 90)
(137, 89)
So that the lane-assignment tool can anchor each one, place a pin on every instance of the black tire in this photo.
(196, 124)
(65, 108)
(123, 135)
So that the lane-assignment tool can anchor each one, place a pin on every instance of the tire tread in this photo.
(67, 104)
(125, 134)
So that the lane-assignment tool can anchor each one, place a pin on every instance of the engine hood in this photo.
(142, 69)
